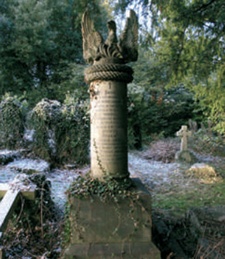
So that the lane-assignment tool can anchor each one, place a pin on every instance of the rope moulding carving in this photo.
(114, 72)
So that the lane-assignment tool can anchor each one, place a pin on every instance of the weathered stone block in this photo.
(112, 229)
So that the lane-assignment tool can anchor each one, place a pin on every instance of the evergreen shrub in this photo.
(61, 133)
(74, 132)
(44, 120)
(153, 113)
(12, 121)
(205, 140)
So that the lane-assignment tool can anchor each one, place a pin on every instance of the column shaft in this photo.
(108, 129)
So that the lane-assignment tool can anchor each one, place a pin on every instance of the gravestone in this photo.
(114, 229)
(10, 194)
(183, 133)
(184, 154)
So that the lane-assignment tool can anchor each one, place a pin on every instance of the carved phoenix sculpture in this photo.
(124, 50)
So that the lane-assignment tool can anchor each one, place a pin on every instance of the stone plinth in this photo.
(185, 156)
(108, 129)
(112, 229)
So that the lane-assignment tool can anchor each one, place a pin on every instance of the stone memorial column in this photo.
(108, 99)
(108, 78)
(118, 228)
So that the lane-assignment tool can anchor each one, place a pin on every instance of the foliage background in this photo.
(179, 74)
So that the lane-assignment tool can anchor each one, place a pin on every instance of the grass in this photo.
(199, 195)
(188, 191)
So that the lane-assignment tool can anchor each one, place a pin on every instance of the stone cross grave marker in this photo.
(184, 134)
(10, 193)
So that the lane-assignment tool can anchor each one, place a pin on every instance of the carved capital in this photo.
(111, 51)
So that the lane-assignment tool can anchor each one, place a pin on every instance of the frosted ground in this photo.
(153, 173)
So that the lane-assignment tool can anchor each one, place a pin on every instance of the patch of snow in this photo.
(60, 182)
(6, 174)
(29, 135)
(156, 172)
(7, 152)
(29, 164)
(51, 141)
(21, 182)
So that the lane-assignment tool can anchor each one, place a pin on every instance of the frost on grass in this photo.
(29, 165)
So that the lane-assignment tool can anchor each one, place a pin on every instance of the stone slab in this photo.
(2, 254)
(10, 195)
(27, 192)
(7, 205)
(3, 189)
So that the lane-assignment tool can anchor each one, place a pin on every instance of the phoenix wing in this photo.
(91, 39)
(128, 43)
